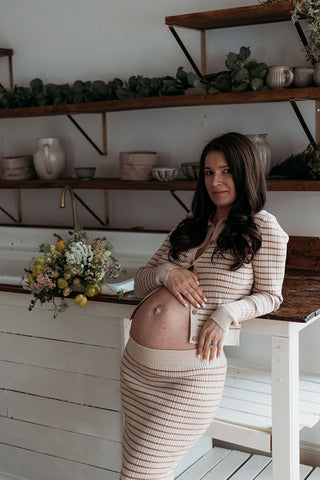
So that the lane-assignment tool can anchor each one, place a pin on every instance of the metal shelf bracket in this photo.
(175, 196)
(104, 150)
(19, 210)
(302, 122)
(8, 52)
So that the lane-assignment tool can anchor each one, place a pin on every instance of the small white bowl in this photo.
(165, 174)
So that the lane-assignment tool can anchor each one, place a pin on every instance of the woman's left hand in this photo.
(211, 340)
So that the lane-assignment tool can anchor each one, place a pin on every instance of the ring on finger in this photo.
(212, 345)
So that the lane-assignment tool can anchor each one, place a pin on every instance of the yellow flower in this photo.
(40, 261)
(37, 269)
(92, 290)
(66, 291)
(30, 278)
(62, 283)
(61, 246)
(81, 300)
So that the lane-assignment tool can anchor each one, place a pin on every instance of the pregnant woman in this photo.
(223, 264)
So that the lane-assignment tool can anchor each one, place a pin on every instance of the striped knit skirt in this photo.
(169, 399)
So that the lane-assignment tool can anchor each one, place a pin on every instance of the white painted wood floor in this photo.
(223, 464)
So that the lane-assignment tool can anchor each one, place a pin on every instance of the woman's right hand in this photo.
(184, 285)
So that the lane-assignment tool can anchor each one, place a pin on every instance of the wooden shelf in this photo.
(188, 100)
(177, 185)
(234, 17)
(100, 184)
(6, 52)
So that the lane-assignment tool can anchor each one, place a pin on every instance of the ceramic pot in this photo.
(279, 76)
(49, 158)
(260, 142)
(17, 168)
(303, 76)
(316, 74)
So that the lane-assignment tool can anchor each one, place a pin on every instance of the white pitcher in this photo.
(49, 159)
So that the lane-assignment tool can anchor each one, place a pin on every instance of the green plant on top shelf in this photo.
(41, 94)
(242, 75)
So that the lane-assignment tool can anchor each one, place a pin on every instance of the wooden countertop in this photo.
(301, 293)
(301, 288)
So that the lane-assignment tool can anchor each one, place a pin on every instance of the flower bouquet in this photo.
(73, 266)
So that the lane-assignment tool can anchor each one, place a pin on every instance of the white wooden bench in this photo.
(245, 413)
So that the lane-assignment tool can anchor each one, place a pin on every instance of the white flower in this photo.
(78, 255)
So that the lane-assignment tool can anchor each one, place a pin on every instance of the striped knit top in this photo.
(233, 296)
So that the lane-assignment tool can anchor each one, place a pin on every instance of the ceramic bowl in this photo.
(191, 170)
(165, 174)
(85, 173)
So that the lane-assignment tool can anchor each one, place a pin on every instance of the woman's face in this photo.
(219, 182)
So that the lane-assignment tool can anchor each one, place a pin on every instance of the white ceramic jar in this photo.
(49, 158)
(260, 142)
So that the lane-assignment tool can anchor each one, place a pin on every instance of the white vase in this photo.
(260, 142)
(49, 158)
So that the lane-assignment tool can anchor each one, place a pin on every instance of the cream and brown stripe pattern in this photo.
(169, 399)
(233, 296)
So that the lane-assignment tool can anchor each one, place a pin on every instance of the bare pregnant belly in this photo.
(162, 322)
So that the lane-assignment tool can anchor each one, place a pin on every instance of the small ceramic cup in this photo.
(279, 76)
(303, 76)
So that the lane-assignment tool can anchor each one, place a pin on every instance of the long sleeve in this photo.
(268, 270)
(155, 272)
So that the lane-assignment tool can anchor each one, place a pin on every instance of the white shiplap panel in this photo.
(96, 422)
(251, 468)
(72, 387)
(267, 473)
(227, 466)
(3, 476)
(315, 475)
(204, 464)
(33, 466)
(98, 330)
(3, 404)
(62, 444)
(103, 309)
(87, 329)
(59, 355)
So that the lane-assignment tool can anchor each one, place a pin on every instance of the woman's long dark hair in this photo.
(240, 236)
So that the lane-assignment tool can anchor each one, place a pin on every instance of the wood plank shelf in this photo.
(234, 17)
(169, 101)
(275, 185)
(6, 52)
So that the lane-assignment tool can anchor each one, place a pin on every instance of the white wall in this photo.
(65, 40)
